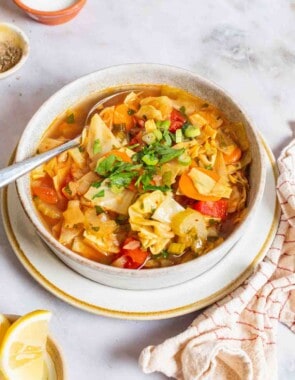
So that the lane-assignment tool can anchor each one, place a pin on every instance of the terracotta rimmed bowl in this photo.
(127, 75)
(52, 17)
(16, 37)
(55, 363)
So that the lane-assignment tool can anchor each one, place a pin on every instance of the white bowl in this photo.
(138, 74)
(10, 32)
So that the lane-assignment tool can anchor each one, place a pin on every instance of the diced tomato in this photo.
(137, 139)
(138, 122)
(217, 209)
(177, 120)
(135, 257)
(46, 194)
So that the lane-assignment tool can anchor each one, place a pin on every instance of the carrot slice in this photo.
(124, 156)
(121, 116)
(233, 157)
(46, 194)
(187, 188)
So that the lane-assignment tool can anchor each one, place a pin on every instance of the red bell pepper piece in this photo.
(177, 120)
(135, 256)
(216, 209)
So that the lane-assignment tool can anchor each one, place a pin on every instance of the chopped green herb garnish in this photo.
(120, 174)
(95, 228)
(68, 190)
(164, 254)
(100, 194)
(182, 110)
(209, 167)
(81, 149)
(133, 146)
(130, 112)
(96, 184)
(97, 146)
(167, 138)
(98, 210)
(121, 179)
(158, 152)
(121, 219)
(154, 187)
(212, 239)
(168, 154)
(71, 119)
(212, 222)
(105, 165)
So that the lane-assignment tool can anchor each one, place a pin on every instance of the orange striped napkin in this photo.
(236, 338)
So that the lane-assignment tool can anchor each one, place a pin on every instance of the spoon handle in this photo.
(12, 172)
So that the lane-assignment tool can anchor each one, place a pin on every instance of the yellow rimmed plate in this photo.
(190, 296)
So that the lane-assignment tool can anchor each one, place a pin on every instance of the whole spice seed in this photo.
(9, 56)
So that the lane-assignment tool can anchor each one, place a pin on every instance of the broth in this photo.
(160, 178)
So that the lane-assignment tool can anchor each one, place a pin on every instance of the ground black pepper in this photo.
(10, 55)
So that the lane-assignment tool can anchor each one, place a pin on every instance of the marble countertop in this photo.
(247, 47)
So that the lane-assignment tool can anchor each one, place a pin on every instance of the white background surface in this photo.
(248, 47)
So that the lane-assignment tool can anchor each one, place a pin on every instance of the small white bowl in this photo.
(13, 34)
(125, 75)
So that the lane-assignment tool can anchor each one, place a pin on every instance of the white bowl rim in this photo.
(45, 234)
(25, 53)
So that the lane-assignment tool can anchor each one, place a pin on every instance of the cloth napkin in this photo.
(235, 338)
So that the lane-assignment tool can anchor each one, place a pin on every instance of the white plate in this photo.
(192, 295)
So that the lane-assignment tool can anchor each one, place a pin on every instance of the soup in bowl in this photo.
(162, 179)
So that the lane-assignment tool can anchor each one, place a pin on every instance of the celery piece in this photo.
(178, 136)
(184, 159)
(192, 131)
(158, 134)
(149, 138)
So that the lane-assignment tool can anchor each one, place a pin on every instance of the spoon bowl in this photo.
(12, 172)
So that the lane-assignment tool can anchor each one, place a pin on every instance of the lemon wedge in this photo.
(23, 348)
(4, 325)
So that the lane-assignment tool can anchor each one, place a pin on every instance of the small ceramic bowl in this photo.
(55, 362)
(118, 76)
(15, 37)
(52, 17)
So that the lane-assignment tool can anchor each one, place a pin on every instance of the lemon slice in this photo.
(4, 324)
(22, 351)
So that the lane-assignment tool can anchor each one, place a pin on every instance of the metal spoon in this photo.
(12, 172)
